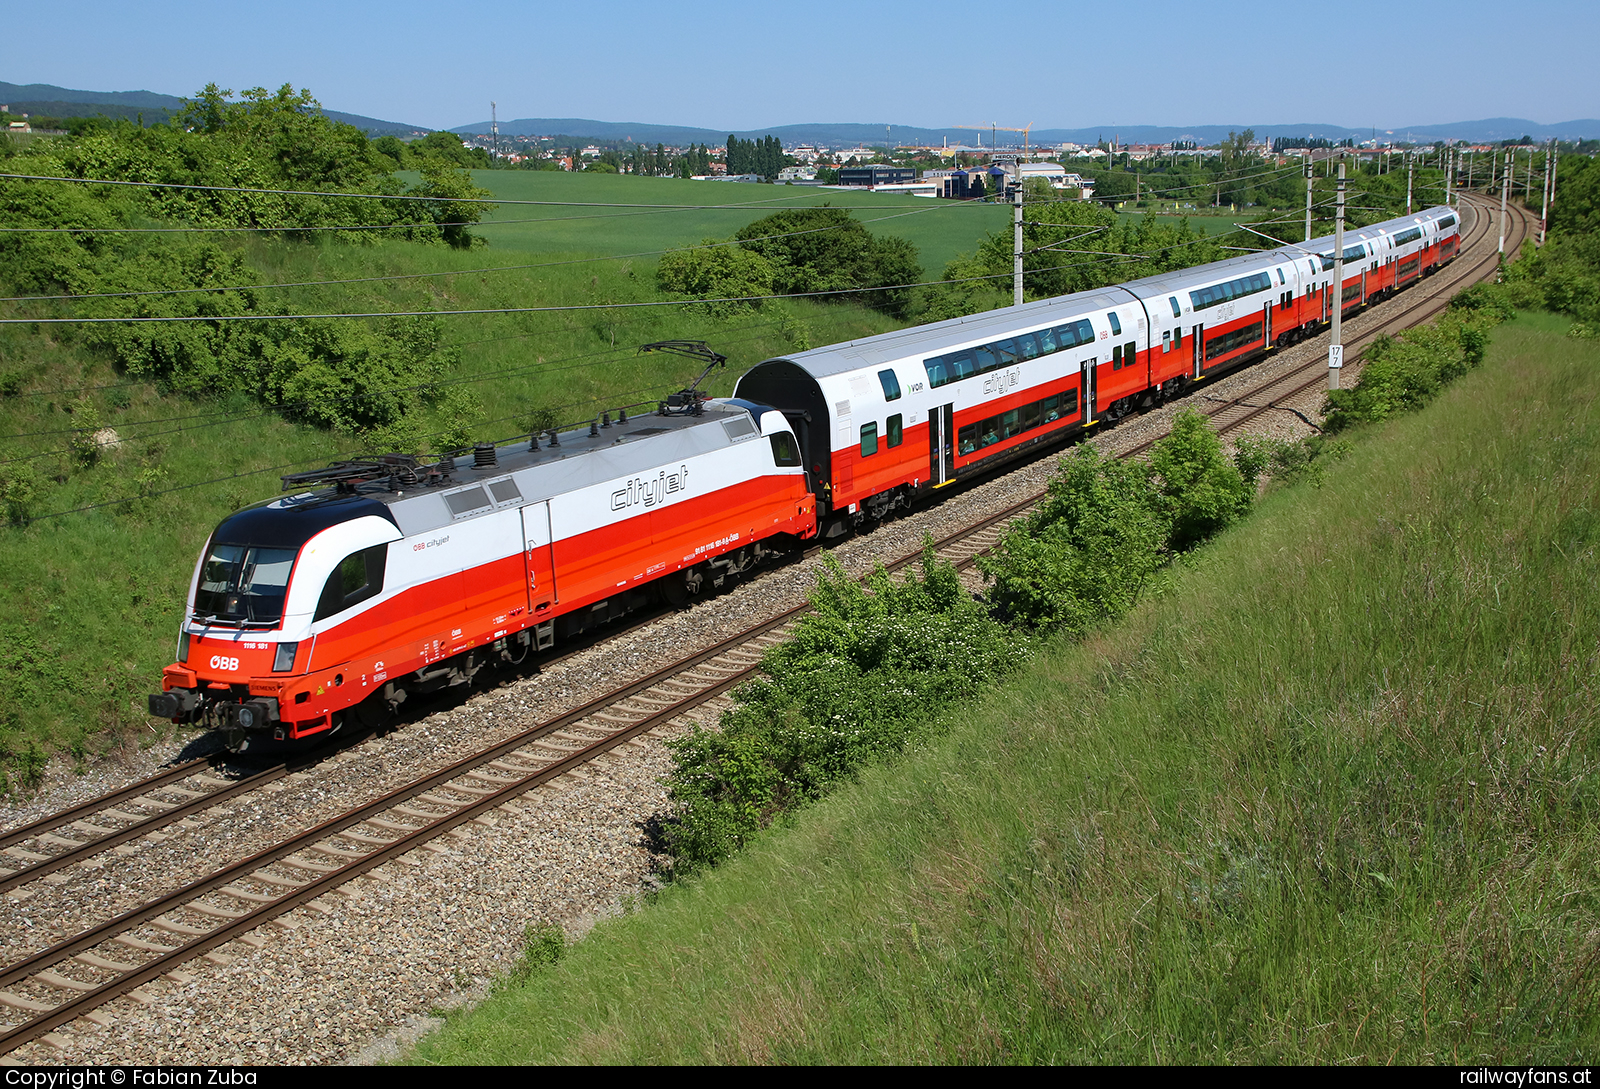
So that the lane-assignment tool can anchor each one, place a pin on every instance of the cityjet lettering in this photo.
(650, 491)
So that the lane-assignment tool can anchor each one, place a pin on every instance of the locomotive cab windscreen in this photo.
(244, 573)
(243, 584)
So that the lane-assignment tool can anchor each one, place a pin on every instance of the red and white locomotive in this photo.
(403, 578)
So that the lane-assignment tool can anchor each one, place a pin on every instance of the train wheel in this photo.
(370, 713)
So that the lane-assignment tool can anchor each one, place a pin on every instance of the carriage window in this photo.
(1116, 324)
(891, 385)
(1047, 341)
(1166, 342)
(785, 452)
(869, 439)
(895, 429)
(358, 577)
(1027, 347)
(1176, 311)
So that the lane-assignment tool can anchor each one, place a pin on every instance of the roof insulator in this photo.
(622, 415)
(533, 441)
(605, 419)
(555, 439)
(594, 429)
(484, 455)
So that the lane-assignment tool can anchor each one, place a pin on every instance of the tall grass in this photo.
(1330, 798)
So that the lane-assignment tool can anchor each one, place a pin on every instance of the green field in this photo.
(1330, 798)
(940, 229)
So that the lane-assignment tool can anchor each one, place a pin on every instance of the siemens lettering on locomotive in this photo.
(389, 577)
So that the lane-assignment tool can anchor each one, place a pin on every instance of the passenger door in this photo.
(941, 445)
(538, 557)
(1088, 379)
(1199, 339)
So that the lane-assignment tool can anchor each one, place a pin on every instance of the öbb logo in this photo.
(219, 661)
(648, 491)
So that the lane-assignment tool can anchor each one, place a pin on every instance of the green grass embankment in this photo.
(1330, 798)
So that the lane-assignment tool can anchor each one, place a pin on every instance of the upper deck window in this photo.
(983, 358)
(1116, 323)
(890, 384)
(1217, 294)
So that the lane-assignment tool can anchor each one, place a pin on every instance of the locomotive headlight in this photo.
(183, 647)
(283, 660)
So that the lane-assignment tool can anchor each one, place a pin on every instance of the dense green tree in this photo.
(827, 249)
(717, 271)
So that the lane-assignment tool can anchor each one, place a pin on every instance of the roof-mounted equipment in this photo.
(688, 402)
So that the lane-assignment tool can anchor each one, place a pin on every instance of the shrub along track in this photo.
(72, 977)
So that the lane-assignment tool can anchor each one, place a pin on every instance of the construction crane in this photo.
(994, 129)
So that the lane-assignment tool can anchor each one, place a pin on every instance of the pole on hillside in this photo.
(1336, 347)
(1504, 185)
(1449, 174)
(1544, 214)
(1309, 180)
(1016, 240)
(1410, 173)
(1555, 170)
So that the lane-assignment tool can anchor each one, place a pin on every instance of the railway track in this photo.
(79, 973)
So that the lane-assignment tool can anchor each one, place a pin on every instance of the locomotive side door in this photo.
(1087, 369)
(1266, 317)
(538, 557)
(1199, 349)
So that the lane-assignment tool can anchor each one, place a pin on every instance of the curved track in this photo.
(75, 975)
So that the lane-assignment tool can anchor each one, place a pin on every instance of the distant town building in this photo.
(876, 175)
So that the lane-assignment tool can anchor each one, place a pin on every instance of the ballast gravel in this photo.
(359, 974)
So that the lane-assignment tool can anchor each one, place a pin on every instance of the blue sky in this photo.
(727, 65)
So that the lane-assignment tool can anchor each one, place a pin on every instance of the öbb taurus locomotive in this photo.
(403, 578)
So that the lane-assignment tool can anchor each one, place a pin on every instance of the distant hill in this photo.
(837, 134)
(46, 100)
